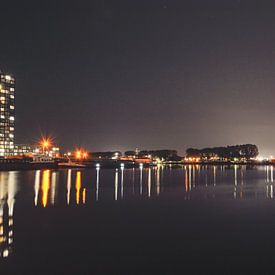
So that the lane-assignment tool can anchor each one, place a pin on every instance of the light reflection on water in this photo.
(72, 187)
(8, 190)
(207, 182)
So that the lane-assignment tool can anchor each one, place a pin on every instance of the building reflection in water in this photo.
(190, 177)
(269, 182)
(133, 180)
(54, 188)
(84, 196)
(214, 174)
(69, 185)
(267, 173)
(140, 179)
(116, 184)
(122, 182)
(77, 186)
(207, 181)
(97, 183)
(49, 187)
(158, 170)
(186, 180)
(36, 186)
(235, 181)
(149, 182)
(8, 191)
(45, 187)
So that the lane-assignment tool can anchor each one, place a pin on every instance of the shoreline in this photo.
(11, 165)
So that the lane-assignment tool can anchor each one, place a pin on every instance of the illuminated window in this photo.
(12, 118)
(12, 107)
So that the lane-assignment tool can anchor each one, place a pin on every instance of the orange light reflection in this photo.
(45, 187)
(78, 186)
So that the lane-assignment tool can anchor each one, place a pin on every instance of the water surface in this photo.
(200, 219)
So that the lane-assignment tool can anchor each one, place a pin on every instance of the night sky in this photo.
(150, 74)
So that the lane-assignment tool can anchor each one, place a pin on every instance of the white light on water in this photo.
(259, 158)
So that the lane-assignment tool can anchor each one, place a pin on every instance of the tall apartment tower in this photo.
(7, 114)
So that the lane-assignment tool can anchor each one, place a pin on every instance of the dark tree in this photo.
(246, 151)
(130, 153)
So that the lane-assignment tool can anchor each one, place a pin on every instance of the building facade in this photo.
(7, 114)
(31, 150)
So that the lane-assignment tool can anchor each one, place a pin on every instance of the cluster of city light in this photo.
(193, 159)
(262, 158)
(81, 154)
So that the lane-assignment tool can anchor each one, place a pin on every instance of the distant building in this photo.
(23, 149)
(35, 150)
(7, 114)
(105, 155)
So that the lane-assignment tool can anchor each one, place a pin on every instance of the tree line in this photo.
(244, 151)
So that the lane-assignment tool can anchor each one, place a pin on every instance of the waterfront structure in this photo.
(24, 149)
(7, 114)
(31, 150)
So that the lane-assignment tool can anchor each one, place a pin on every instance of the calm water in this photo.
(195, 219)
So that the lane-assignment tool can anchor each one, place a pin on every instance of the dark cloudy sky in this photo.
(148, 74)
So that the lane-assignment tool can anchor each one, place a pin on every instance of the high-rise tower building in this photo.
(7, 114)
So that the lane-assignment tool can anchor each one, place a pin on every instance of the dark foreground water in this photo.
(163, 220)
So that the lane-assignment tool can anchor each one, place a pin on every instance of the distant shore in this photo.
(18, 165)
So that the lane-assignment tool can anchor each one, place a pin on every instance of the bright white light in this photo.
(122, 165)
(259, 158)
(5, 253)
(141, 165)
(97, 165)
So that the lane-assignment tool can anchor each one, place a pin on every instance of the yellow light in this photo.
(78, 154)
(84, 196)
(45, 142)
(78, 186)
(45, 186)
